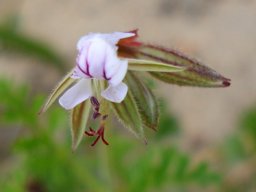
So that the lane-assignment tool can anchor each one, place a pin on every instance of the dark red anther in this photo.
(104, 117)
(91, 132)
(94, 101)
(96, 141)
(99, 133)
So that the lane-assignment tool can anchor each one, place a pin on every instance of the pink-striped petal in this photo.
(97, 57)
(111, 38)
(78, 73)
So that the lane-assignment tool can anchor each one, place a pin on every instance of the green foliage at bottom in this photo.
(45, 162)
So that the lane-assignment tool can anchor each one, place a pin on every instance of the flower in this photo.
(114, 58)
(97, 59)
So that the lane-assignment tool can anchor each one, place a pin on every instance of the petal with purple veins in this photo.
(97, 55)
(76, 94)
(111, 38)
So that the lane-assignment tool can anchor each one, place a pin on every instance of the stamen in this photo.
(95, 115)
(96, 141)
(91, 132)
(94, 101)
(99, 134)
(97, 109)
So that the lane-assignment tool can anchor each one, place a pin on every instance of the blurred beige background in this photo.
(219, 33)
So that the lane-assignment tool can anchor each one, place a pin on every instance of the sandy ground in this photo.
(220, 33)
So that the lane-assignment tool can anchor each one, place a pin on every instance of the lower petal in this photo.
(115, 94)
(76, 94)
(119, 75)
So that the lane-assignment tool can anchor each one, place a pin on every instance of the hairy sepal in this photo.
(58, 91)
(152, 66)
(145, 100)
(195, 73)
(127, 113)
(79, 118)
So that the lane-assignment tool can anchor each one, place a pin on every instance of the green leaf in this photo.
(61, 87)
(153, 66)
(128, 114)
(79, 118)
(145, 100)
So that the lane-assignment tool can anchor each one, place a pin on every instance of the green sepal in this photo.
(195, 73)
(145, 100)
(188, 78)
(60, 88)
(152, 66)
(79, 118)
(127, 113)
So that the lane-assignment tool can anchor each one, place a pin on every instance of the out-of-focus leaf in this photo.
(17, 42)
(153, 66)
(161, 171)
(127, 113)
(168, 123)
(145, 100)
(79, 118)
(61, 87)
(182, 168)
(248, 123)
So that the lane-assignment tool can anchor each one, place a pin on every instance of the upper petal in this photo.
(79, 73)
(97, 56)
(115, 93)
(111, 38)
(76, 94)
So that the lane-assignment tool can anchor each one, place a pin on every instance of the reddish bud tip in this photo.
(130, 41)
(226, 83)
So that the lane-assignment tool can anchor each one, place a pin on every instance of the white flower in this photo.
(97, 58)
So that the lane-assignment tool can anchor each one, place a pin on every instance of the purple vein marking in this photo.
(87, 62)
(83, 71)
(87, 72)
(104, 69)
